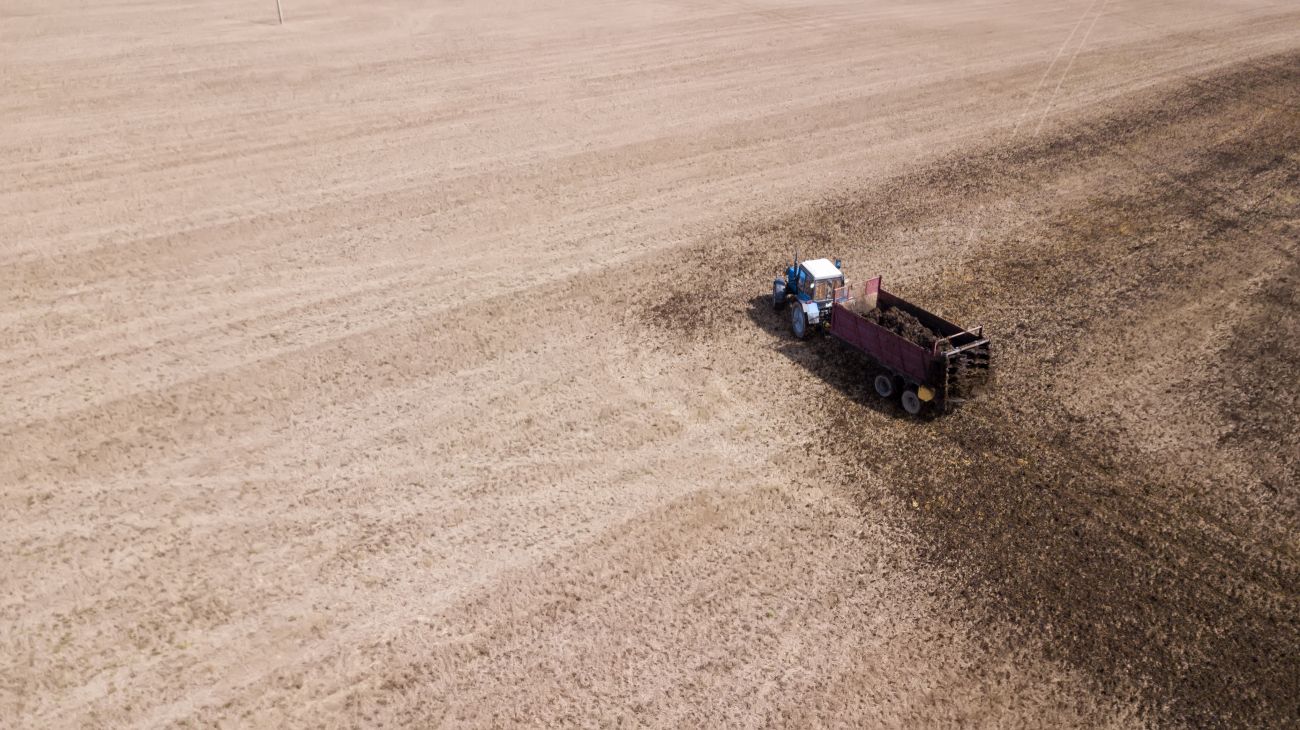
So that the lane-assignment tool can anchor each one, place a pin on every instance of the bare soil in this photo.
(414, 365)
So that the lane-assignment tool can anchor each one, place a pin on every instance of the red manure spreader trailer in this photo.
(943, 372)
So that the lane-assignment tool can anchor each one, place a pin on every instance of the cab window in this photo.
(805, 283)
(825, 289)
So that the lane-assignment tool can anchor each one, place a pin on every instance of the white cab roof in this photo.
(822, 269)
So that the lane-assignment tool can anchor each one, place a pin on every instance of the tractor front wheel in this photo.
(778, 294)
(798, 323)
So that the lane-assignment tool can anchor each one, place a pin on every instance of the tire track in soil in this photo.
(1055, 518)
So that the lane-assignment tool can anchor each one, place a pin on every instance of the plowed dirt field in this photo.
(414, 364)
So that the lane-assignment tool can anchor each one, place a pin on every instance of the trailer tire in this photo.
(884, 386)
(798, 323)
(911, 402)
(778, 294)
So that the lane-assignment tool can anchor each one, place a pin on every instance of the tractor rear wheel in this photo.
(778, 294)
(884, 386)
(798, 323)
(911, 402)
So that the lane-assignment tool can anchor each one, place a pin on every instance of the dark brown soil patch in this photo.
(1144, 575)
(1178, 579)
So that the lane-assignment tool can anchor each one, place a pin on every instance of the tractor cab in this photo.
(818, 280)
(812, 285)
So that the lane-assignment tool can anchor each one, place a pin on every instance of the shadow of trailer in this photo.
(941, 376)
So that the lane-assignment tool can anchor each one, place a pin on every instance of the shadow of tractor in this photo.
(835, 363)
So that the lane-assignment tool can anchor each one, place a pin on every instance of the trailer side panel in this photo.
(903, 357)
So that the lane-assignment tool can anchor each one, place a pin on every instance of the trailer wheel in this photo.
(778, 294)
(884, 386)
(798, 323)
(911, 402)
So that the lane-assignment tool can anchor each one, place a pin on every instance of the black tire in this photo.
(778, 294)
(798, 323)
(884, 386)
(911, 402)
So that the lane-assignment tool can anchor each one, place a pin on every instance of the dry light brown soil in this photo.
(413, 364)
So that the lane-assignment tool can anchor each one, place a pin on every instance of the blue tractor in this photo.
(812, 286)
